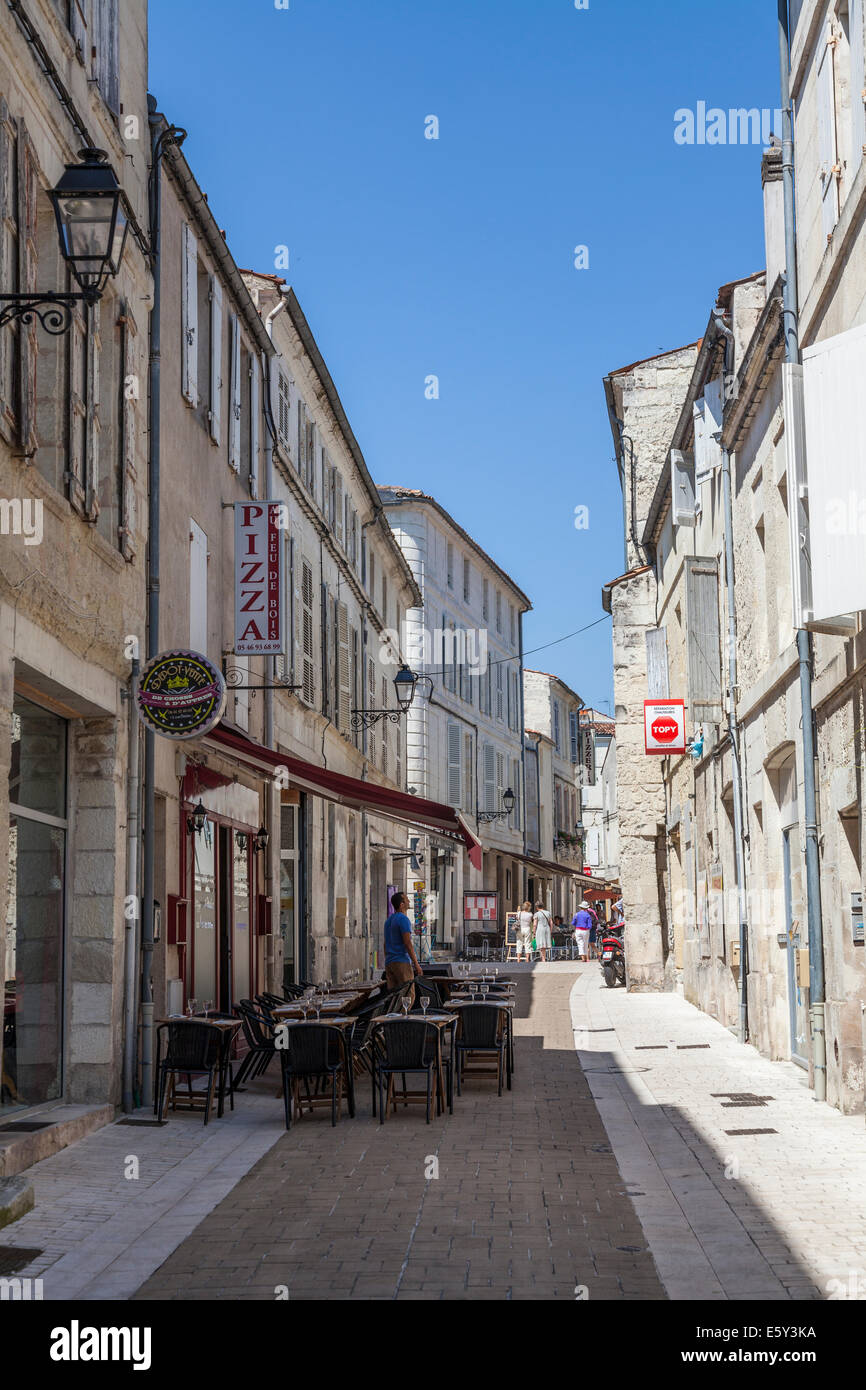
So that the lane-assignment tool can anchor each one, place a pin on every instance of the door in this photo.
(204, 892)
(242, 916)
(289, 892)
(795, 927)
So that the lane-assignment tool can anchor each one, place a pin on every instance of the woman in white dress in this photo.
(524, 931)
(541, 922)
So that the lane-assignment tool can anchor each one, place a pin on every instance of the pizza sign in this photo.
(664, 726)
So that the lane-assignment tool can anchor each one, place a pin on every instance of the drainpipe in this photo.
(162, 135)
(733, 727)
(133, 791)
(272, 804)
(810, 799)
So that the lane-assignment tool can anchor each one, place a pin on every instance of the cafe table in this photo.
(345, 1024)
(455, 1005)
(228, 1028)
(441, 1021)
(332, 1004)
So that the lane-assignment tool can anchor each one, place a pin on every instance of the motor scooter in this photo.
(611, 949)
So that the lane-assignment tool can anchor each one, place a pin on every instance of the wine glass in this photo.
(404, 1004)
(425, 1003)
(207, 1005)
(190, 1006)
(484, 988)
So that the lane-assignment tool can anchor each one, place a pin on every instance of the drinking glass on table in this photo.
(190, 1007)
(405, 1004)
(207, 1006)
(425, 1003)
(484, 988)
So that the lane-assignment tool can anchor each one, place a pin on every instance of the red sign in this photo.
(664, 726)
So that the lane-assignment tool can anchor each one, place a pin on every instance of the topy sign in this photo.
(259, 618)
(664, 726)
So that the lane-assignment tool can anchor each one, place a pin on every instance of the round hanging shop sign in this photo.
(181, 695)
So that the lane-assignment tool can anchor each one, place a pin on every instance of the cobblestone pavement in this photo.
(528, 1203)
(746, 1187)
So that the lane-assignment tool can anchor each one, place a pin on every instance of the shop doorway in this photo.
(222, 891)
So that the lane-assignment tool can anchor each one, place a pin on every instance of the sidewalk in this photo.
(739, 1198)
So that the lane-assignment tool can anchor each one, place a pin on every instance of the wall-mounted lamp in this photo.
(260, 840)
(196, 823)
(508, 799)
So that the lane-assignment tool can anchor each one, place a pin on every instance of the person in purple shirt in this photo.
(401, 963)
(582, 923)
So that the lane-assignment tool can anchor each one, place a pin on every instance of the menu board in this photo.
(481, 907)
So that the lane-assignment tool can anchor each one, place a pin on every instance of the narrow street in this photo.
(658, 1160)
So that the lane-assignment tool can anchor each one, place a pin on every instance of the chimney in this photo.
(774, 214)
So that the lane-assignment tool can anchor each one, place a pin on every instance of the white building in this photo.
(598, 797)
(552, 711)
(465, 739)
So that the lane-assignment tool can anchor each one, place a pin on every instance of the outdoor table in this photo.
(334, 1003)
(228, 1027)
(508, 1006)
(343, 1022)
(440, 1021)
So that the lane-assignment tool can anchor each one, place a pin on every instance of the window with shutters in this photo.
(339, 508)
(371, 571)
(326, 652)
(189, 316)
(454, 779)
(356, 680)
(450, 565)
(311, 456)
(306, 646)
(515, 787)
(385, 599)
(467, 579)
(498, 610)
(489, 777)
(235, 393)
(573, 737)
(556, 726)
(52, 357)
(499, 690)
(828, 156)
(857, 60)
(500, 780)
(703, 639)
(488, 707)
(485, 599)
(202, 347)
(301, 454)
(353, 538)
(105, 50)
(107, 419)
(343, 669)
(511, 623)
(468, 802)
(198, 626)
(246, 416)
(284, 411)
(286, 664)
(658, 682)
(255, 421)
(384, 725)
(371, 704)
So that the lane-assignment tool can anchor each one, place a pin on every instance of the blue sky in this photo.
(455, 257)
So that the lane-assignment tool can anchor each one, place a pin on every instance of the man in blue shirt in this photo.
(401, 963)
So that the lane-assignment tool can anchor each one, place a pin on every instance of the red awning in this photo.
(349, 791)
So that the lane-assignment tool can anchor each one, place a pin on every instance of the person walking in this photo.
(582, 923)
(541, 923)
(524, 931)
(401, 963)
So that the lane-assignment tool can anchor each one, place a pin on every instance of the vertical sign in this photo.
(259, 625)
(587, 752)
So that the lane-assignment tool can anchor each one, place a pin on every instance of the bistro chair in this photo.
(193, 1049)
(314, 1051)
(404, 1047)
(482, 1030)
(258, 1030)
(431, 989)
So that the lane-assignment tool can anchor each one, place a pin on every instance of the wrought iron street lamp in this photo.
(485, 817)
(196, 823)
(406, 683)
(92, 226)
(260, 840)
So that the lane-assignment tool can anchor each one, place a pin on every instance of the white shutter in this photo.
(857, 36)
(500, 779)
(703, 633)
(305, 646)
(343, 694)
(454, 732)
(255, 408)
(216, 359)
(94, 355)
(827, 155)
(338, 507)
(683, 488)
(515, 787)
(468, 802)
(489, 777)
(300, 458)
(657, 680)
(235, 408)
(189, 346)
(499, 707)
(197, 588)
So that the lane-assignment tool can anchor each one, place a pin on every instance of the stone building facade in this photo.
(72, 549)
(552, 712)
(465, 738)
